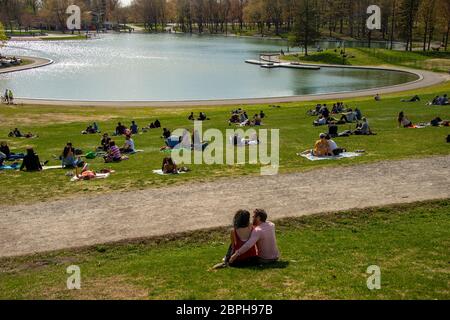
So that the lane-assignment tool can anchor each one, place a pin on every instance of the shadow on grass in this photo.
(262, 266)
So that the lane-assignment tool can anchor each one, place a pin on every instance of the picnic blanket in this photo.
(161, 173)
(11, 167)
(343, 155)
(51, 167)
(420, 126)
(97, 176)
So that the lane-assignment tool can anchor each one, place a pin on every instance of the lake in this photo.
(170, 67)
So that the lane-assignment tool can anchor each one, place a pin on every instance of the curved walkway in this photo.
(95, 219)
(36, 63)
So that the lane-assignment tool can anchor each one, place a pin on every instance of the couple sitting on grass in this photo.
(17, 134)
(91, 129)
(325, 147)
(201, 117)
(251, 244)
(347, 117)
(362, 128)
(440, 101)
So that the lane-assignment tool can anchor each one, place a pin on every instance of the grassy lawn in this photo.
(72, 37)
(57, 125)
(434, 61)
(323, 257)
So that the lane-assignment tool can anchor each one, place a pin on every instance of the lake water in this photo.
(163, 67)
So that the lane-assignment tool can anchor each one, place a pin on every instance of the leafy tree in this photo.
(306, 25)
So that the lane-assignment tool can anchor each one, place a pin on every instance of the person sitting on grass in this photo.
(377, 97)
(134, 128)
(348, 117)
(403, 121)
(2, 158)
(358, 114)
(4, 148)
(264, 237)
(68, 158)
(324, 111)
(435, 101)
(191, 117)
(320, 121)
(114, 154)
(128, 146)
(15, 133)
(242, 230)
(169, 166)
(89, 130)
(157, 124)
(120, 129)
(31, 161)
(256, 120)
(262, 115)
(363, 128)
(321, 147)
(105, 142)
(202, 116)
(166, 133)
(335, 150)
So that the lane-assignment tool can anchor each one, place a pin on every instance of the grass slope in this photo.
(57, 125)
(434, 61)
(323, 257)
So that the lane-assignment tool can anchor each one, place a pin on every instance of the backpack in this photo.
(435, 122)
(91, 155)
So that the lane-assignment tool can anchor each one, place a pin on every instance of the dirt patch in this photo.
(105, 288)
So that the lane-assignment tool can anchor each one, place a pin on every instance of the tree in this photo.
(408, 15)
(306, 26)
(3, 36)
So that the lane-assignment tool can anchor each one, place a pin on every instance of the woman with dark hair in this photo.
(68, 156)
(242, 231)
(169, 166)
(403, 121)
(31, 161)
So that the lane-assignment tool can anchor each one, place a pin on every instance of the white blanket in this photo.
(309, 156)
(161, 173)
(97, 176)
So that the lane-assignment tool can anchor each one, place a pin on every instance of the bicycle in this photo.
(3, 100)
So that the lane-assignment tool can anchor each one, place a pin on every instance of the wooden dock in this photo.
(272, 65)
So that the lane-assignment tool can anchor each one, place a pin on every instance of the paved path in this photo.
(36, 63)
(97, 219)
(426, 79)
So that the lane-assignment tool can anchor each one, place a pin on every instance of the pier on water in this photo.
(271, 60)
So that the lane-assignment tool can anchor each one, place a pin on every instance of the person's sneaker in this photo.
(220, 265)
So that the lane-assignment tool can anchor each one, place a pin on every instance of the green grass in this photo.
(74, 37)
(323, 257)
(434, 61)
(57, 125)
